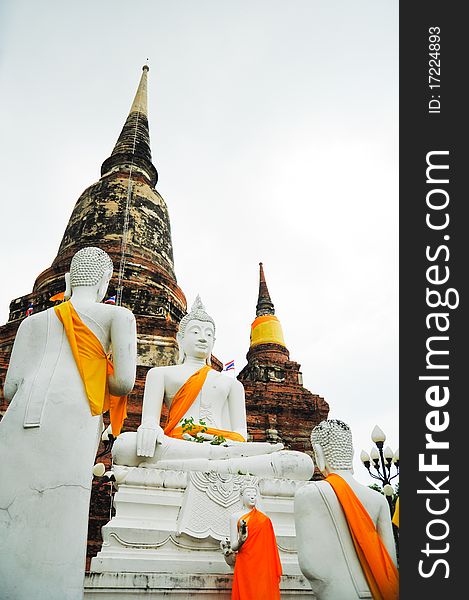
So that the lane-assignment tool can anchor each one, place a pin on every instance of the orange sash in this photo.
(258, 568)
(59, 296)
(378, 567)
(395, 517)
(183, 400)
(94, 367)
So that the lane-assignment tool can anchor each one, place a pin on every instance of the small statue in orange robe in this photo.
(252, 549)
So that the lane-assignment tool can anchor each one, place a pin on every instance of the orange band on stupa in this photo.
(266, 329)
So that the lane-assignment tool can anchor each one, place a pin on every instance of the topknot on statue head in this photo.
(197, 313)
(250, 483)
(89, 265)
(335, 439)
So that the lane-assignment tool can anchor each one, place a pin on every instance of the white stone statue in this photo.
(326, 551)
(238, 526)
(49, 436)
(252, 551)
(217, 403)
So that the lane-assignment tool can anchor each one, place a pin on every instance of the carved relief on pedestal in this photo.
(209, 500)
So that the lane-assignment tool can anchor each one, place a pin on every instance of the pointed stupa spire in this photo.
(140, 103)
(266, 328)
(132, 150)
(264, 305)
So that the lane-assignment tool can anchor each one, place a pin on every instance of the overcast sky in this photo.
(274, 129)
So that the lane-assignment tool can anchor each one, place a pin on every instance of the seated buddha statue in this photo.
(206, 429)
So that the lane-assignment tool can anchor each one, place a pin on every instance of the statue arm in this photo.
(237, 408)
(124, 352)
(15, 372)
(306, 503)
(229, 546)
(150, 430)
(237, 536)
(384, 528)
(305, 498)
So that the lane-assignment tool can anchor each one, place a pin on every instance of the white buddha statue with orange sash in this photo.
(344, 534)
(59, 382)
(203, 405)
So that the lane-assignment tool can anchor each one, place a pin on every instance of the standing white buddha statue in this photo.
(59, 381)
(203, 404)
(343, 528)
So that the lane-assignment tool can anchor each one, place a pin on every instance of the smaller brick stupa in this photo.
(278, 407)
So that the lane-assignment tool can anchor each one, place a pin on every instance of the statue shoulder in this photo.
(164, 373)
(24, 330)
(367, 494)
(157, 372)
(309, 500)
(235, 385)
(106, 314)
(377, 497)
(308, 492)
(119, 313)
(30, 323)
(234, 517)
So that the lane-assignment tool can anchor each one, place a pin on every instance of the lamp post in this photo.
(381, 460)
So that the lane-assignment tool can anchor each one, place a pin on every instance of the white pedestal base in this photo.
(167, 530)
(159, 586)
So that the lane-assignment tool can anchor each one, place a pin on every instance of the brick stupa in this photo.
(278, 407)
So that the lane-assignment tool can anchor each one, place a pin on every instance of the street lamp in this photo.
(381, 460)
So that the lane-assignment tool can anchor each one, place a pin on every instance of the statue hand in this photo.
(229, 442)
(228, 553)
(243, 532)
(106, 433)
(226, 547)
(207, 437)
(147, 437)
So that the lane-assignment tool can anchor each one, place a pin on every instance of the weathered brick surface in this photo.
(278, 407)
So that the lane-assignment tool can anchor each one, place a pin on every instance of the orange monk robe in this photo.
(258, 568)
(94, 367)
(60, 296)
(379, 569)
(183, 399)
(395, 517)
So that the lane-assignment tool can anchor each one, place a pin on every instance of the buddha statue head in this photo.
(332, 446)
(90, 267)
(196, 334)
(249, 495)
